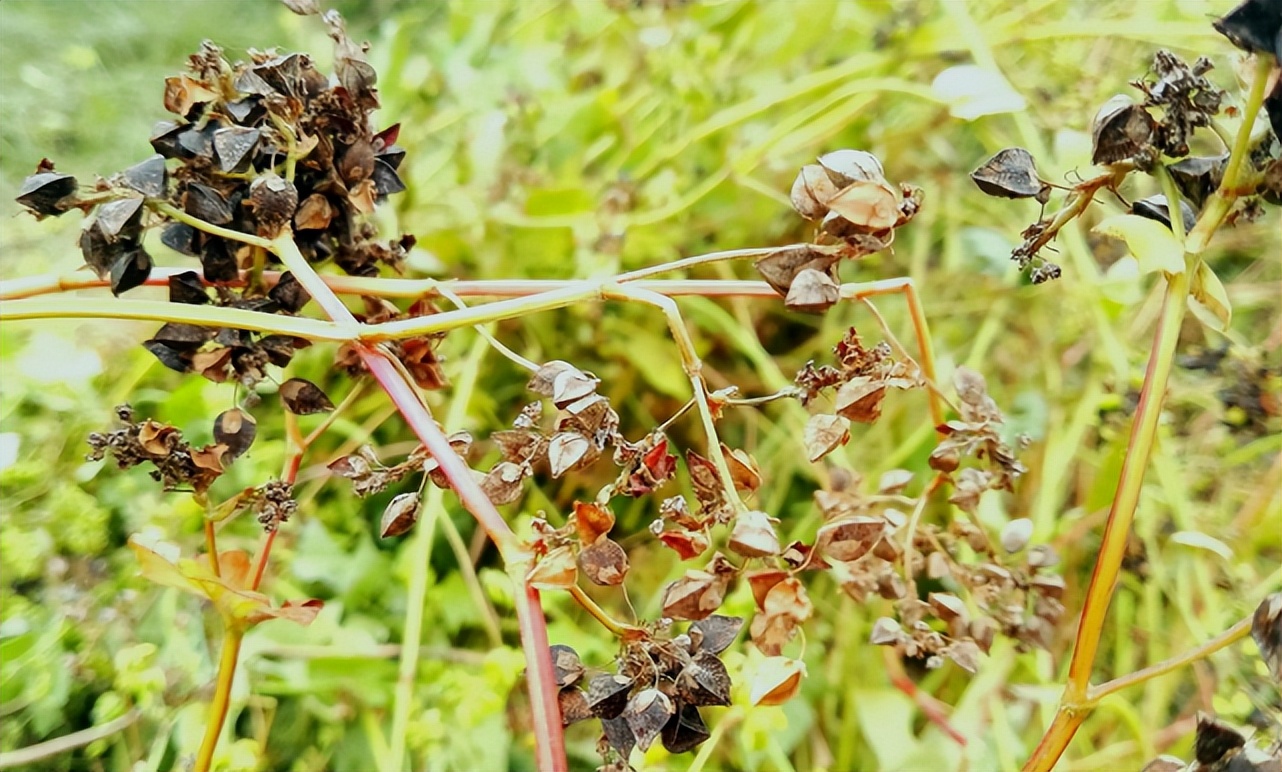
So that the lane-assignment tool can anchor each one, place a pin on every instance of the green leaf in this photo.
(1208, 300)
(1154, 246)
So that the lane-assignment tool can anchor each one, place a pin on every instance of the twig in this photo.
(68, 742)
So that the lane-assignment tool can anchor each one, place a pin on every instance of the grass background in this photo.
(555, 140)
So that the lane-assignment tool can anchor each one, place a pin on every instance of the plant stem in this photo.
(619, 629)
(164, 311)
(1075, 704)
(68, 742)
(284, 247)
(174, 213)
(232, 638)
(1234, 634)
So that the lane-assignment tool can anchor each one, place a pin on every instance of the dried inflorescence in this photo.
(177, 463)
(857, 209)
(659, 685)
(1130, 135)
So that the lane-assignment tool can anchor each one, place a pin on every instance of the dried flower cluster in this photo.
(857, 209)
(659, 685)
(177, 464)
(1129, 135)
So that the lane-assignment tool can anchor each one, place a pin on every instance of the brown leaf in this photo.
(592, 521)
(302, 397)
(823, 434)
(777, 680)
(400, 515)
(554, 571)
(753, 535)
(859, 399)
(604, 563)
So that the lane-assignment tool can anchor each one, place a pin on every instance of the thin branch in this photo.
(1234, 634)
(68, 742)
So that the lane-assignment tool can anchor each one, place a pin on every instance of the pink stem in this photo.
(540, 680)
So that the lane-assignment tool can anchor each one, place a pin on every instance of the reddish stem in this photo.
(540, 680)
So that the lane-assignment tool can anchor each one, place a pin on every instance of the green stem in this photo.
(232, 639)
(164, 311)
(174, 213)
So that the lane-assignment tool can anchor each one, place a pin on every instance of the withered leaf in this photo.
(554, 571)
(647, 713)
(236, 429)
(604, 563)
(685, 731)
(823, 434)
(566, 665)
(400, 515)
(302, 397)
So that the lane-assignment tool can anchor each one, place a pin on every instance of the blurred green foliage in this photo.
(553, 140)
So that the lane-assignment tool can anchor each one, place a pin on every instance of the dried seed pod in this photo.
(604, 563)
(1156, 208)
(811, 192)
(120, 220)
(400, 515)
(315, 213)
(1198, 176)
(886, 631)
(860, 398)
(1016, 533)
(780, 268)
(1253, 25)
(130, 270)
(187, 288)
(1215, 740)
(42, 192)
(302, 397)
(554, 571)
(608, 695)
(869, 206)
(1266, 629)
(823, 434)
(592, 521)
(1121, 130)
(849, 539)
(574, 706)
(386, 181)
(235, 146)
(848, 166)
(566, 451)
(236, 429)
(753, 535)
(205, 203)
(812, 292)
(566, 666)
(218, 261)
(694, 596)
(777, 680)
(715, 633)
(274, 200)
(289, 294)
(685, 731)
(149, 177)
(1011, 173)
(965, 654)
(502, 484)
(647, 713)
